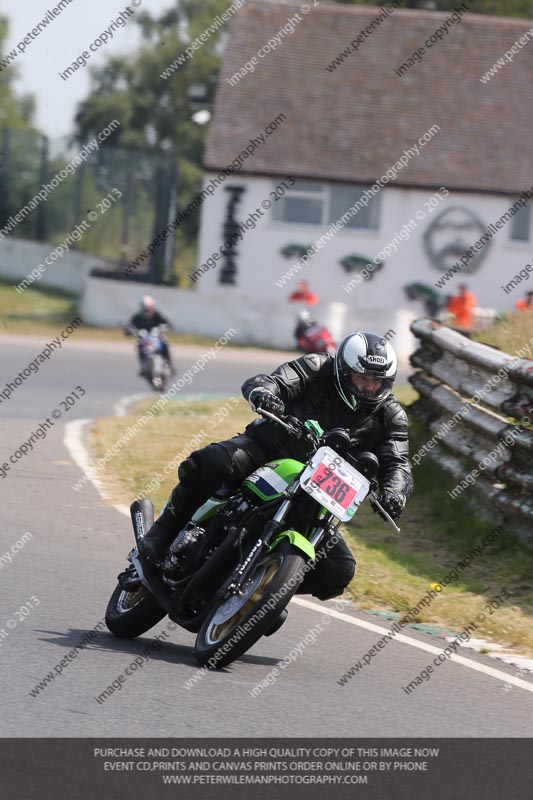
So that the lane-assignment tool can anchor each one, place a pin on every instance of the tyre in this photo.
(157, 373)
(129, 614)
(231, 628)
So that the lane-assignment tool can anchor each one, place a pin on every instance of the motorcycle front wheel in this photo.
(233, 626)
(129, 614)
(158, 373)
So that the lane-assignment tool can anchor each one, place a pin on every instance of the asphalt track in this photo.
(78, 546)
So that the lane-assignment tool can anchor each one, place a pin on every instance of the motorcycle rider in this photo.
(312, 337)
(351, 390)
(146, 318)
(305, 321)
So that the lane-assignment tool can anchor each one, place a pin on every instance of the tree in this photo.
(15, 110)
(19, 140)
(155, 112)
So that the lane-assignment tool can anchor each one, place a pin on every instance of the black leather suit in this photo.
(307, 388)
(142, 321)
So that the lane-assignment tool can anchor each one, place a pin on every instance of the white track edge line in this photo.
(73, 441)
(429, 648)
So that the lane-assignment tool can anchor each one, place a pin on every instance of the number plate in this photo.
(334, 483)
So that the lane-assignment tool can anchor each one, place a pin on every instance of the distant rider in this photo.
(312, 337)
(146, 318)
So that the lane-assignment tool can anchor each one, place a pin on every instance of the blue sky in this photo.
(59, 44)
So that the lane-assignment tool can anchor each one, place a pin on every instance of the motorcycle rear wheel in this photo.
(129, 614)
(232, 627)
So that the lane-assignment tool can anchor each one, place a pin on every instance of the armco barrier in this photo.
(478, 404)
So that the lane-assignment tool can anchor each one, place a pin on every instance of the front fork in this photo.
(241, 574)
(234, 585)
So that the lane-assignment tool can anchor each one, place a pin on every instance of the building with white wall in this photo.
(323, 124)
(336, 131)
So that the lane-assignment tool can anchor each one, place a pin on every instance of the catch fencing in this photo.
(478, 403)
(144, 186)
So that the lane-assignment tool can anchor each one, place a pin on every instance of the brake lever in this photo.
(296, 423)
(388, 518)
(292, 429)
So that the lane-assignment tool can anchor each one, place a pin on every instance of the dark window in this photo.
(345, 197)
(521, 225)
(303, 202)
(319, 204)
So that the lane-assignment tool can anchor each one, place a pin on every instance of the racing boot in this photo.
(165, 529)
(195, 486)
(155, 543)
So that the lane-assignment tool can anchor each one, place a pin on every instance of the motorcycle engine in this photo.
(194, 544)
(185, 552)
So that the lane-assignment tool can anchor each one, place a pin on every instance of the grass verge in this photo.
(44, 312)
(394, 570)
(509, 334)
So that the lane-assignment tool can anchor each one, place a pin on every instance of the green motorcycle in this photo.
(232, 570)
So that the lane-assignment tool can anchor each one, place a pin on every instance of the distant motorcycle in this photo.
(154, 364)
(312, 337)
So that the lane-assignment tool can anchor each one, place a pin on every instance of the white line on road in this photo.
(121, 406)
(73, 441)
(429, 648)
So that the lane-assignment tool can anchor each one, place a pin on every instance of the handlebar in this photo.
(131, 330)
(294, 426)
(312, 431)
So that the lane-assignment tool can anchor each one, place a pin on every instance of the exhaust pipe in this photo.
(142, 517)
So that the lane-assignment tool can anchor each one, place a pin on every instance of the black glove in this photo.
(392, 503)
(262, 398)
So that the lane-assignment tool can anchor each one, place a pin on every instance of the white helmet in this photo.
(147, 303)
(304, 316)
(364, 354)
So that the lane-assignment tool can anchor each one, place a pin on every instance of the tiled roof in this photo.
(352, 123)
